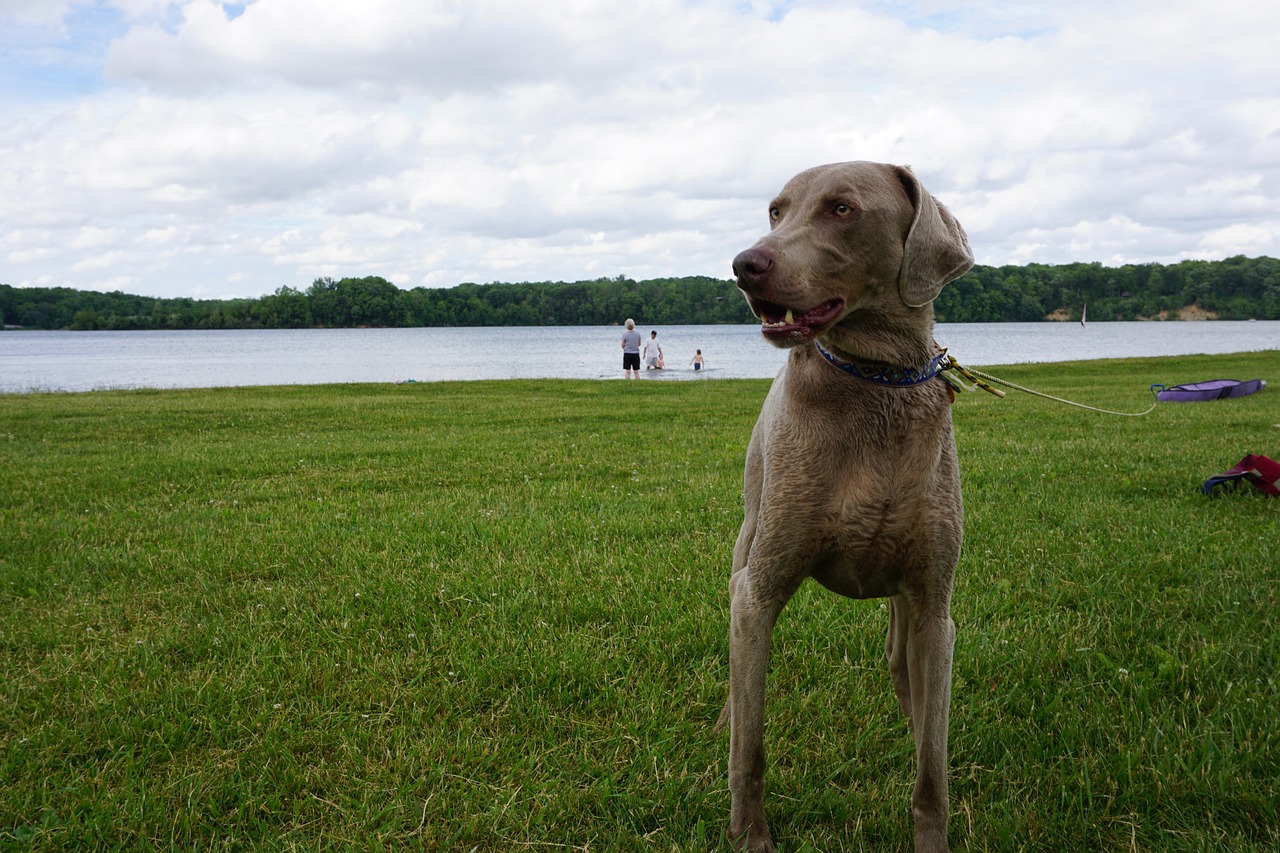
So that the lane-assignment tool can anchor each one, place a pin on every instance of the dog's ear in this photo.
(936, 250)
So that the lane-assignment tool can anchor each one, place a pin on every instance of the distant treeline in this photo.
(1233, 289)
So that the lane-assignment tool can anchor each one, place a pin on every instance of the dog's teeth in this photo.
(790, 319)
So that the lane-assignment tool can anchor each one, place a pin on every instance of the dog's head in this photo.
(846, 237)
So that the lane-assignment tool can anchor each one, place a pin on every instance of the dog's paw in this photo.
(751, 838)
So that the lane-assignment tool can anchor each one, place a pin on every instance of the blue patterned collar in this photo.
(901, 377)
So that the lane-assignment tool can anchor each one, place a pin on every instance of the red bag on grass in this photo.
(1258, 470)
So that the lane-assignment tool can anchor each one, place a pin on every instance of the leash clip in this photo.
(954, 366)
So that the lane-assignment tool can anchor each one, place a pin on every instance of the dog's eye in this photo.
(843, 210)
(775, 213)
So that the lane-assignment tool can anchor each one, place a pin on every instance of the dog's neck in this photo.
(892, 340)
(900, 377)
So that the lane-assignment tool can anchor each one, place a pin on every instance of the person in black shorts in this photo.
(631, 351)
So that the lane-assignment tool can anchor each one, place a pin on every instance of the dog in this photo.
(851, 475)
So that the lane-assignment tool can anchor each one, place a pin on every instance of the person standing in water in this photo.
(631, 351)
(697, 360)
(652, 352)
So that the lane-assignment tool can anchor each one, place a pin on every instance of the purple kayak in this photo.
(1213, 389)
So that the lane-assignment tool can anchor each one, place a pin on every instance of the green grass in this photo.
(492, 616)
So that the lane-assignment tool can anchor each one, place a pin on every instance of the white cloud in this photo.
(1252, 238)
(230, 149)
(35, 12)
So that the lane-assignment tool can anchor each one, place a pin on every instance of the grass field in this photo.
(492, 616)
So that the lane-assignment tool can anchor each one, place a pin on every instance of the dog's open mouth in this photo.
(780, 322)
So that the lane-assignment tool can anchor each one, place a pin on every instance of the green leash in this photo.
(956, 376)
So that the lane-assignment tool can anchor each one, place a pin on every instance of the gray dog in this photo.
(851, 474)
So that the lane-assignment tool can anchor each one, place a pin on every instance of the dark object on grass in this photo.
(1258, 470)
(1214, 389)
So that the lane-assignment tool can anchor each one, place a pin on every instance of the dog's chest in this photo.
(859, 486)
(886, 508)
(873, 540)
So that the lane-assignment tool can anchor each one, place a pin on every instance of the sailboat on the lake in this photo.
(1084, 308)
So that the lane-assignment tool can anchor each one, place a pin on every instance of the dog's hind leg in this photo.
(895, 649)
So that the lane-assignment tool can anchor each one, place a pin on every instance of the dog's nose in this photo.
(752, 265)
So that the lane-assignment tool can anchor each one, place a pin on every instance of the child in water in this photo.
(697, 360)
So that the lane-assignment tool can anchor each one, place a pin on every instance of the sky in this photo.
(218, 150)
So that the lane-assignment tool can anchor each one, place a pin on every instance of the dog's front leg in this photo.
(930, 647)
(751, 621)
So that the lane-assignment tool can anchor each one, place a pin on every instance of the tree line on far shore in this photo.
(1237, 288)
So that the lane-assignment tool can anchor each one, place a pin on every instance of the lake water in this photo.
(83, 361)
